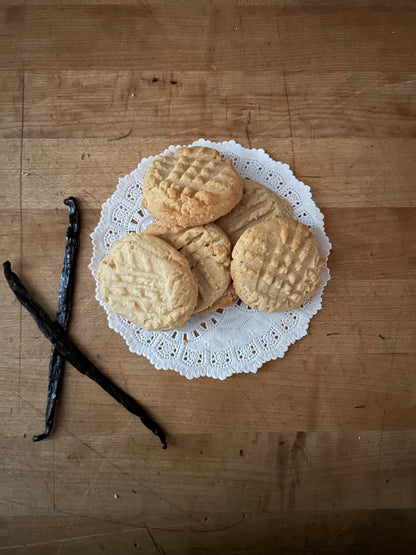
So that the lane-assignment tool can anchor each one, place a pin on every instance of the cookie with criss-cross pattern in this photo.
(148, 281)
(257, 205)
(191, 186)
(276, 265)
(208, 252)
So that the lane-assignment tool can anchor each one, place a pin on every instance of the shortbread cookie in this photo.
(148, 282)
(191, 186)
(207, 250)
(257, 205)
(276, 265)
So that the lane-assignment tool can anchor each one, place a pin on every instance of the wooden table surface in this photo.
(316, 452)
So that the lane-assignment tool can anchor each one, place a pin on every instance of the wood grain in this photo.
(339, 172)
(316, 452)
(352, 104)
(112, 104)
(195, 36)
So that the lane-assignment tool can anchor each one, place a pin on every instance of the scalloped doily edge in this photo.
(263, 357)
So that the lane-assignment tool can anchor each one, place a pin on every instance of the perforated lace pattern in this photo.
(231, 340)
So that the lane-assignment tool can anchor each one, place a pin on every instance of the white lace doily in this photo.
(231, 340)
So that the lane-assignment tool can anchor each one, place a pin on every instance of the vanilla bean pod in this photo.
(67, 349)
(66, 287)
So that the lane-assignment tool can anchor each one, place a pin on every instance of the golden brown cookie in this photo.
(191, 186)
(148, 282)
(208, 251)
(276, 265)
(257, 205)
(225, 300)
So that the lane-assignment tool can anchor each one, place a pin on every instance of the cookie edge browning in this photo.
(225, 300)
(183, 270)
(246, 237)
(218, 205)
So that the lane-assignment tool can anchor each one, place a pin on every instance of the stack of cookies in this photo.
(185, 264)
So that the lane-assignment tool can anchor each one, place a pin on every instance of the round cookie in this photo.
(148, 282)
(191, 186)
(207, 250)
(258, 204)
(276, 265)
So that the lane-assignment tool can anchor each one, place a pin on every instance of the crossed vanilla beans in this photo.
(62, 348)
